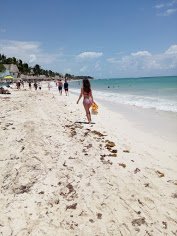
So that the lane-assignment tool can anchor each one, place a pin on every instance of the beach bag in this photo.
(94, 108)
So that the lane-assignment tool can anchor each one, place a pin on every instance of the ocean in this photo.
(159, 93)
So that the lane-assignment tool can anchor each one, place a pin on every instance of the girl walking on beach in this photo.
(86, 92)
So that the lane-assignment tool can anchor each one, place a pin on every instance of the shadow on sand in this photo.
(83, 122)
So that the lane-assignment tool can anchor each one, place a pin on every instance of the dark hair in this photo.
(86, 85)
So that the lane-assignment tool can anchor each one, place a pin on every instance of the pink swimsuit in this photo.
(87, 98)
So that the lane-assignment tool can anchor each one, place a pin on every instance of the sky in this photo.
(100, 38)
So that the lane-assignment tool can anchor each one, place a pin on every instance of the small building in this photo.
(11, 69)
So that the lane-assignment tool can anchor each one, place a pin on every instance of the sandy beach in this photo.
(61, 176)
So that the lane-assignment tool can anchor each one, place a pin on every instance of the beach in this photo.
(61, 176)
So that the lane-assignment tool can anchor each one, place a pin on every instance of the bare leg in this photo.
(87, 107)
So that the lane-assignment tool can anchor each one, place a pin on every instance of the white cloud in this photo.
(144, 61)
(141, 53)
(136, 63)
(97, 66)
(90, 55)
(2, 30)
(166, 9)
(160, 6)
(169, 12)
(172, 3)
(18, 46)
(68, 70)
(32, 58)
(29, 52)
(171, 50)
(83, 69)
(112, 60)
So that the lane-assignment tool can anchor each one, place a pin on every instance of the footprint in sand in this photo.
(139, 221)
(99, 134)
(164, 224)
(122, 164)
(126, 150)
(174, 195)
(136, 170)
(160, 174)
(105, 161)
(172, 181)
(99, 216)
(73, 206)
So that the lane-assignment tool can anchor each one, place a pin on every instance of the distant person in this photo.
(29, 83)
(4, 91)
(18, 85)
(86, 92)
(35, 85)
(22, 83)
(66, 87)
(49, 86)
(40, 86)
(60, 86)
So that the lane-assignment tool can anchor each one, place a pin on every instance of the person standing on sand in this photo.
(29, 85)
(86, 92)
(18, 85)
(22, 83)
(66, 87)
(49, 86)
(40, 86)
(35, 86)
(60, 86)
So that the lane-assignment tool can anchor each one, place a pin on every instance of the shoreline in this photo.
(148, 120)
(62, 176)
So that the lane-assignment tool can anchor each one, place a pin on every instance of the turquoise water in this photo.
(3, 84)
(159, 93)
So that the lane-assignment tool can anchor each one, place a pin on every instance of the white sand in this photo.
(57, 177)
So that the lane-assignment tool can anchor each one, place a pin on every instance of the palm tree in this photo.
(37, 69)
(2, 58)
(14, 60)
(9, 60)
(25, 68)
(2, 68)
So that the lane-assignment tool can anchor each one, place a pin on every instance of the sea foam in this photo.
(155, 102)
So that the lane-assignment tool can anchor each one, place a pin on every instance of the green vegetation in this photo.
(25, 69)
(2, 68)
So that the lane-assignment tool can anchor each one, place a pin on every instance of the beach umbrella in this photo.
(8, 77)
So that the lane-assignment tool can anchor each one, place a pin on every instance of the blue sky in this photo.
(101, 38)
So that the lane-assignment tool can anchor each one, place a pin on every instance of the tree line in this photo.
(25, 69)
